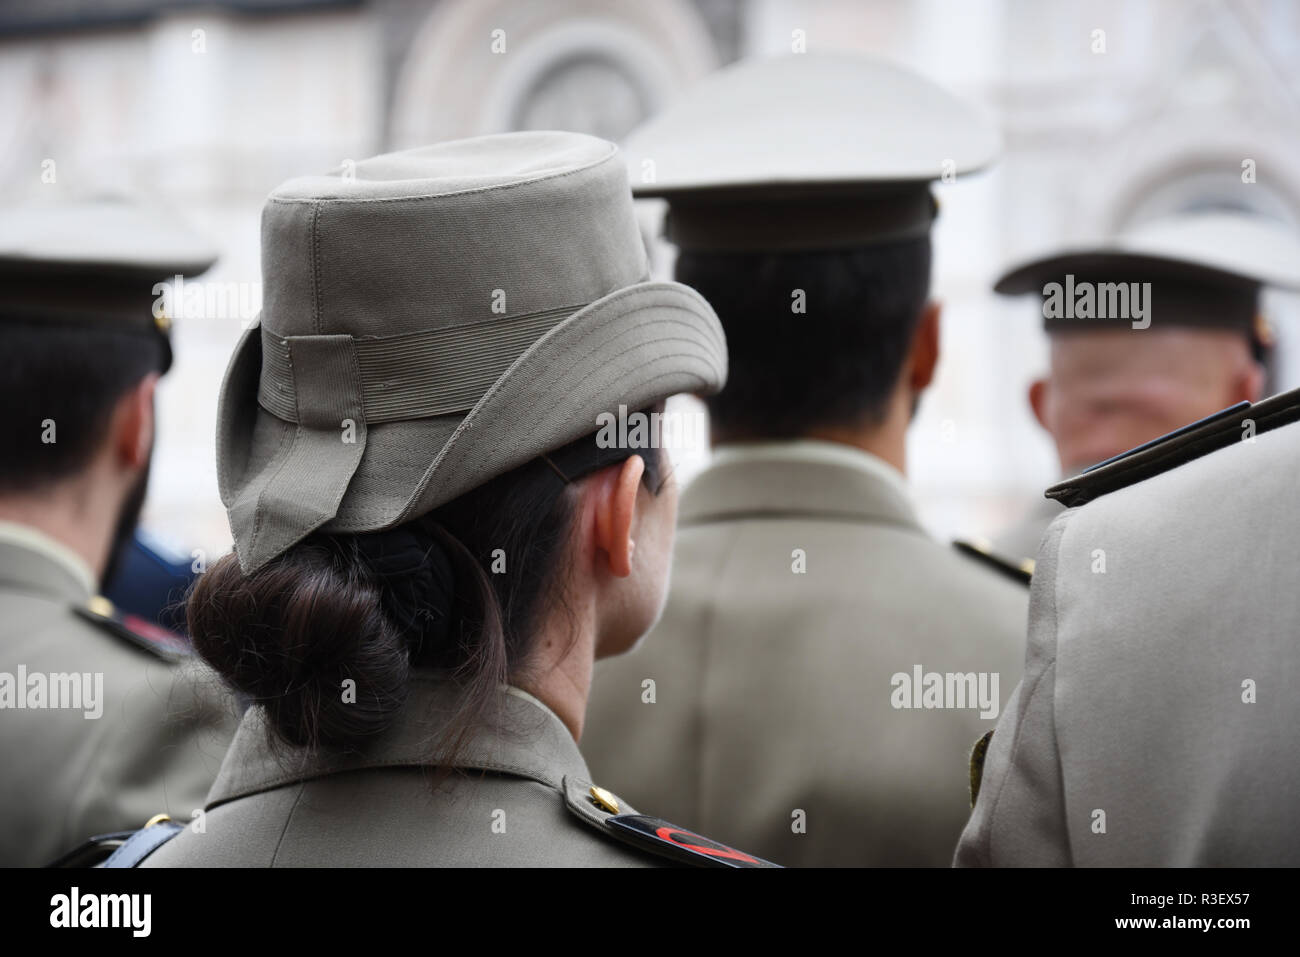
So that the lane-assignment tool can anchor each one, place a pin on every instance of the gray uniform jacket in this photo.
(762, 708)
(1157, 722)
(522, 797)
(139, 729)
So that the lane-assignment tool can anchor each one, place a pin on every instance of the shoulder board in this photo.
(137, 631)
(1021, 570)
(977, 755)
(608, 814)
(1191, 442)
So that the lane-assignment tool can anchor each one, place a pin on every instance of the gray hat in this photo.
(95, 263)
(435, 318)
(1206, 269)
(807, 151)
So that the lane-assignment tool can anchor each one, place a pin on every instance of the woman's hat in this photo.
(437, 317)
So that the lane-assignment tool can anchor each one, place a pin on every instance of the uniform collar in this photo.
(527, 740)
(32, 561)
(801, 478)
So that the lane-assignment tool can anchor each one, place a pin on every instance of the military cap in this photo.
(437, 317)
(1206, 269)
(808, 151)
(95, 263)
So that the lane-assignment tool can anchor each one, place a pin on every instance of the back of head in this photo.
(816, 338)
(403, 436)
(78, 293)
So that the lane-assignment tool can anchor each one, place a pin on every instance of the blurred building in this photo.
(1113, 112)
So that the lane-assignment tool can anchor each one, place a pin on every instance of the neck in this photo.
(886, 440)
(78, 516)
(560, 669)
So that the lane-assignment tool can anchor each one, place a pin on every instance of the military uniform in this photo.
(157, 725)
(522, 797)
(156, 743)
(442, 399)
(803, 583)
(772, 725)
(1156, 722)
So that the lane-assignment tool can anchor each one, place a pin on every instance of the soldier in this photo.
(103, 723)
(812, 691)
(431, 547)
(1156, 722)
(1116, 380)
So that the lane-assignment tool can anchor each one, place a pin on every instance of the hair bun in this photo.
(416, 582)
(307, 637)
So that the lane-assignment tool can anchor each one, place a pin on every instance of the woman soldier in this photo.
(431, 548)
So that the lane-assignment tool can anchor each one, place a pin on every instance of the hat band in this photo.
(415, 375)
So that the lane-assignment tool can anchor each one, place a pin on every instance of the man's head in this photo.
(85, 341)
(810, 237)
(818, 341)
(78, 426)
(1121, 376)
(1112, 389)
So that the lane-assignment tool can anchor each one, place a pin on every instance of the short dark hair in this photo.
(833, 365)
(70, 376)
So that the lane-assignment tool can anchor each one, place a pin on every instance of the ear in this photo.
(615, 491)
(1038, 390)
(133, 424)
(925, 348)
(1250, 384)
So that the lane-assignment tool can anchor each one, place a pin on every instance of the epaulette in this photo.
(134, 629)
(1200, 438)
(604, 811)
(977, 756)
(1021, 570)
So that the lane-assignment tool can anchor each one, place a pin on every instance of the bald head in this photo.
(1110, 390)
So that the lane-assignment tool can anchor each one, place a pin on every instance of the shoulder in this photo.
(604, 812)
(132, 631)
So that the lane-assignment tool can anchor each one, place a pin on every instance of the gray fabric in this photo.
(309, 475)
(381, 808)
(1132, 701)
(773, 689)
(156, 747)
(412, 256)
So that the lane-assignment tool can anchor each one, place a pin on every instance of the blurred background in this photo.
(208, 106)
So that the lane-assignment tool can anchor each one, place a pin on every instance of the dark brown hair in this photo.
(370, 607)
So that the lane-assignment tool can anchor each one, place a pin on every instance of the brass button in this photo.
(604, 799)
(101, 606)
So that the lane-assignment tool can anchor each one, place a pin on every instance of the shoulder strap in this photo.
(143, 843)
(1021, 571)
(603, 810)
(1193, 441)
(168, 645)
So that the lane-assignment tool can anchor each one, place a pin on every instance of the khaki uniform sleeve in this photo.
(1019, 816)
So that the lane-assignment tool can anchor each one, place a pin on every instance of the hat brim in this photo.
(1115, 263)
(633, 347)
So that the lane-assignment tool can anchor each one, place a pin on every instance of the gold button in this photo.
(604, 799)
(1027, 566)
(101, 606)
